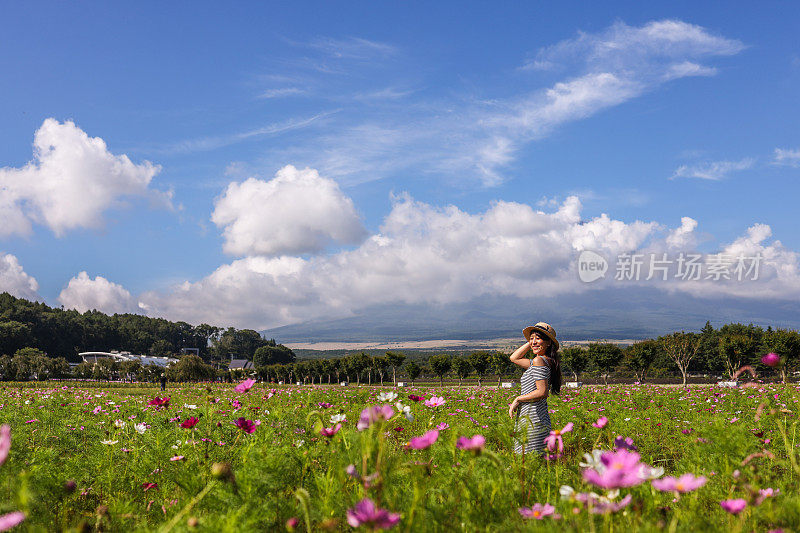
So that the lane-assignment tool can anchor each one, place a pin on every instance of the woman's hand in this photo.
(513, 407)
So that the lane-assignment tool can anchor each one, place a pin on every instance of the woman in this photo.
(539, 357)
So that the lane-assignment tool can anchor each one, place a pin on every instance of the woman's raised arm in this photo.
(518, 357)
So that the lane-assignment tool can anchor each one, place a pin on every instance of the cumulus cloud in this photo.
(422, 254)
(85, 294)
(71, 182)
(714, 170)
(683, 237)
(15, 281)
(296, 212)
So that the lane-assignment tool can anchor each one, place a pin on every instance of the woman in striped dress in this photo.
(540, 359)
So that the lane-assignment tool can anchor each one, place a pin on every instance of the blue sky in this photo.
(411, 119)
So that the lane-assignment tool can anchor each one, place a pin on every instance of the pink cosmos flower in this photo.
(176, 458)
(245, 385)
(601, 422)
(7, 521)
(619, 469)
(434, 401)
(415, 398)
(190, 422)
(159, 403)
(370, 415)
(425, 441)
(475, 443)
(330, 432)
(734, 506)
(325, 405)
(601, 506)
(685, 483)
(365, 513)
(554, 440)
(5, 442)
(763, 494)
(442, 426)
(96, 410)
(248, 426)
(538, 511)
(771, 359)
(148, 486)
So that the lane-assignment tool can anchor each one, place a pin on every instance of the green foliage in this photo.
(413, 370)
(640, 356)
(480, 361)
(462, 368)
(575, 359)
(440, 365)
(190, 368)
(272, 355)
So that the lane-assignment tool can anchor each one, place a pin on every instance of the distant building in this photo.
(93, 357)
(193, 351)
(242, 364)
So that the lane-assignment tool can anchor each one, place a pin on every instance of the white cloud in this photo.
(85, 294)
(683, 237)
(477, 139)
(296, 212)
(787, 157)
(353, 48)
(422, 254)
(15, 281)
(71, 182)
(280, 92)
(713, 170)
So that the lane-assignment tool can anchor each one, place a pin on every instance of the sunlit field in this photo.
(309, 458)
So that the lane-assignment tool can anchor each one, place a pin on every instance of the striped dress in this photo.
(533, 420)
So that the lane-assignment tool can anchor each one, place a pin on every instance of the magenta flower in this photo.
(771, 359)
(365, 513)
(624, 443)
(601, 422)
(245, 385)
(434, 401)
(554, 440)
(538, 511)
(370, 415)
(734, 506)
(248, 426)
(159, 403)
(190, 422)
(603, 506)
(176, 458)
(425, 441)
(325, 405)
(685, 483)
(415, 398)
(330, 432)
(442, 426)
(148, 486)
(7, 521)
(5, 442)
(475, 443)
(617, 470)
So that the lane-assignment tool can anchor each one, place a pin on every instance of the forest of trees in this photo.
(37, 342)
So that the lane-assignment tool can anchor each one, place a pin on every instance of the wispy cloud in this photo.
(354, 48)
(713, 170)
(787, 157)
(281, 92)
(212, 143)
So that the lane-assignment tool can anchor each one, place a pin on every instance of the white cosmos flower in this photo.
(566, 492)
(387, 396)
(119, 423)
(592, 460)
(335, 419)
(186, 405)
(109, 442)
(140, 428)
(405, 410)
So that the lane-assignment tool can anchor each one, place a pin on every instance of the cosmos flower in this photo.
(435, 401)
(425, 441)
(245, 385)
(190, 422)
(685, 483)
(366, 513)
(538, 511)
(330, 432)
(370, 415)
(601, 422)
(248, 426)
(387, 396)
(475, 443)
(415, 398)
(335, 419)
(734, 506)
(159, 403)
(553, 440)
(771, 359)
(140, 428)
(622, 469)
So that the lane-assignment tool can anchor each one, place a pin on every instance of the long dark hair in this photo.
(554, 363)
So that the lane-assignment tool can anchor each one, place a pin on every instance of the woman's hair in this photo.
(555, 367)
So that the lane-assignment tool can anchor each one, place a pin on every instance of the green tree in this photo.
(395, 359)
(481, 362)
(462, 367)
(640, 356)
(413, 370)
(606, 356)
(441, 365)
(270, 355)
(576, 359)
(500, 364)
(681, 348)
(190, 368)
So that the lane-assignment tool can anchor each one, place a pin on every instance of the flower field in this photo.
(249, 457)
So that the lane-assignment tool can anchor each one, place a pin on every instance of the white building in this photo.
(93, 357)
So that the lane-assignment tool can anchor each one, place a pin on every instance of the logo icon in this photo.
(591, 266)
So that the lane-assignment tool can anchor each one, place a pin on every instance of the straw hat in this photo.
(545, 329)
